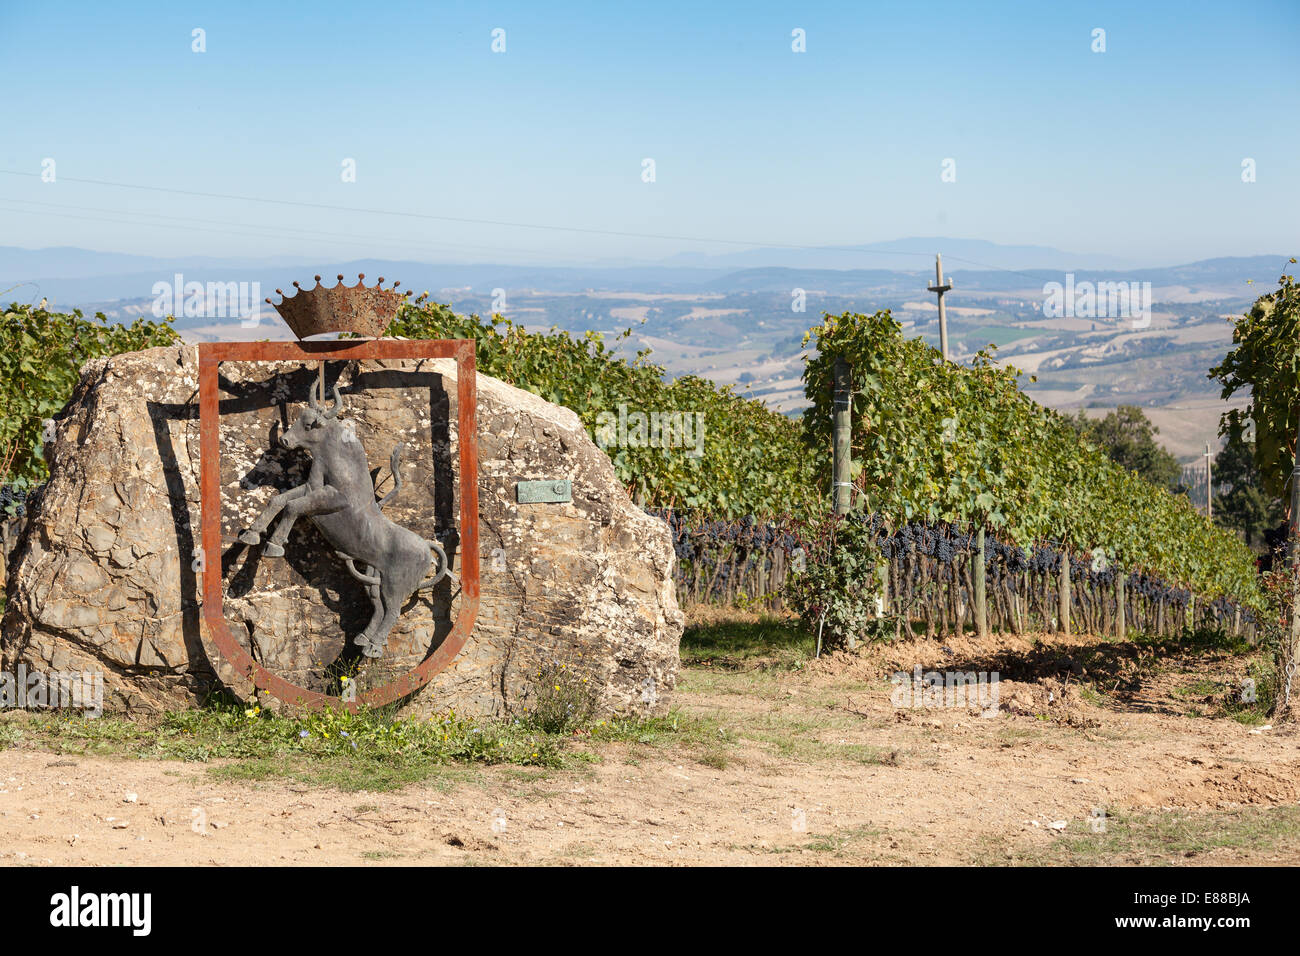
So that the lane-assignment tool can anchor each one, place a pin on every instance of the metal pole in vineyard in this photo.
(841, 485)
(940, 287)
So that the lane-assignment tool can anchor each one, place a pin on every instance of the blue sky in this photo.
(1136, 151)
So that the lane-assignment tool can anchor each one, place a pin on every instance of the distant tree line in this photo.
(1128, 438)
(1241, 501)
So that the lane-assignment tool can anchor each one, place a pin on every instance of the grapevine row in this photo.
(929, 574)
(940, 443)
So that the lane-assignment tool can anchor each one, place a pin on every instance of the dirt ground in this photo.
(813, 765)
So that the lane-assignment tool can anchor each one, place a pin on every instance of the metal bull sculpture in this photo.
(339, 497)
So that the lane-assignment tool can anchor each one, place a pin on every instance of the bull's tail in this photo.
(394, 465)
(370, 578)
(439, 563)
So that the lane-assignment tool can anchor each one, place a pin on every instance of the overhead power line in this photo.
(504, 223)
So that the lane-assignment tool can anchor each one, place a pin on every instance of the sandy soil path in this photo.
(823, 769)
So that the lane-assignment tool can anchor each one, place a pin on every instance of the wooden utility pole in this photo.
(940, 288)
(1209, 483)
(841, 483)
(978, 568)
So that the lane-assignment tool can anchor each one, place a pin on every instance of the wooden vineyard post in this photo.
(1021, 605)
(978, 569)
(842, 448)
(1294, 538)
(841, 486)
(1120, 623)
(1063, 609)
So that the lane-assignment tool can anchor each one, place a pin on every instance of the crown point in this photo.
(361, 309)
(396, 284)
(360, 276)
(296, 285)
(381, 280)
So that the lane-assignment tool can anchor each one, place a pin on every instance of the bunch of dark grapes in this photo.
(1046, 559)
(698, 538)
(943, 549)
(13, 501)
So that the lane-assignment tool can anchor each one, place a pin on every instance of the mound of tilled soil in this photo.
(1046, 699)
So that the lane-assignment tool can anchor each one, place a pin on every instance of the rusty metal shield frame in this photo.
(211, 355)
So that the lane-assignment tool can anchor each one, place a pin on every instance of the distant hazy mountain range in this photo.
(71, 276)
(738, 318)
(906, 255)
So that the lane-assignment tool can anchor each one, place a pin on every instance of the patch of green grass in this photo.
(1201, 639)
(575, 850)
(836, 844)
(824, 843)
(803, 738)
(716, 758)
(1011, 734)
(365, 750)
(1158, 838)
(1264, 689)
(739, 643)
(711, 742)
(1090, 695)
(1200, 688)
(1250, 717)
(751, 683)
(9, 735)
(675, 727)
(559, 701)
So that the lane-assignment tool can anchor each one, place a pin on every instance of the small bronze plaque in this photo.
(544, 492)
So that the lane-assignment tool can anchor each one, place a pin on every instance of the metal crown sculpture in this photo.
(365, 311)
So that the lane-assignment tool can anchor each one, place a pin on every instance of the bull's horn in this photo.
(314, 399)
(338, 402)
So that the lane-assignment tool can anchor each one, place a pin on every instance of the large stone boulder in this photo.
(102, 578)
